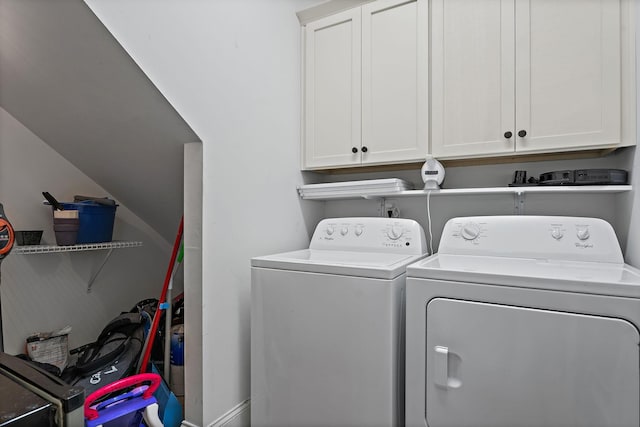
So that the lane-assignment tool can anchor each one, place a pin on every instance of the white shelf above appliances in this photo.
(353, 190)
(370, 188)
(396, 189)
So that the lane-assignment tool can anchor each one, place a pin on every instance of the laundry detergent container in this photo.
(96, 221)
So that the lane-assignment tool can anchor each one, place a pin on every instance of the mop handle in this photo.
(167, 318)
(156, 317)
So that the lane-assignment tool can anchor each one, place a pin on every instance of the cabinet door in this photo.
(491, 365)
(395, 81)
(567, 73)
(472, 77)
(332, 90)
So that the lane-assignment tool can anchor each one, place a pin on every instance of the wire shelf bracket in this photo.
(108, 246)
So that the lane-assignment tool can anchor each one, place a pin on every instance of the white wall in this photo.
(193, 275)
(231, 69)
(630, 204)
(631, 215)
(47, 291)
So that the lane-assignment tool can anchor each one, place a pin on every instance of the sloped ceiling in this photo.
(66, 78)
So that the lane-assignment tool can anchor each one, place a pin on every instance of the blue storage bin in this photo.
(96, 221)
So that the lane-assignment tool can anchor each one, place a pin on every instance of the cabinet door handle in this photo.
(364, 149)
(522, 133)
(508, 134)
(354, 150)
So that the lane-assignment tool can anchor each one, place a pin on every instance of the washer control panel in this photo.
(540, 237)
(395, 235)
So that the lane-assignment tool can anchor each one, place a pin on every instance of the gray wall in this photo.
(66, 78)
(628, 209)
(629, 205)
(43, 292)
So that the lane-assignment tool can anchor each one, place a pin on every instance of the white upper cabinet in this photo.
(390, 81)
(548, 80)
(366, 86)
(395, 117)
(332, 90)
(473, 77)
(567, 73)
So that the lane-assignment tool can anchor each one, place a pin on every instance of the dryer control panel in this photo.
(396, 235)
(539, 237)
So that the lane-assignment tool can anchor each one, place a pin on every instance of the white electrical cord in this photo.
(429, 222)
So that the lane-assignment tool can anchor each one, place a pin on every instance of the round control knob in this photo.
(344, 231)
(395, 232)
(583, 233)
(359, 230)
(557, 234)
(329, 230)
(470, 231)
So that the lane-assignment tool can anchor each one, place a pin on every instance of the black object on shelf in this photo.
(520, 180)
(576, 177)
(563, 177)
(520, 177)
(585, 177)
(600, 176)
(28, 237)
(53, 201)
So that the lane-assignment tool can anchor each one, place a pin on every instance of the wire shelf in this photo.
(45, 249)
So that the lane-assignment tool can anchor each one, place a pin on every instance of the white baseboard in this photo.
(238, 416)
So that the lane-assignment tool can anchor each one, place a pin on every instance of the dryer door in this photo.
(502, 366)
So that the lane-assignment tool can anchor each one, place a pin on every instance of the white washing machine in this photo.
(327, 329)
(523, 321)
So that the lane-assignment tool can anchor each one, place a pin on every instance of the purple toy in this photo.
(127, 409)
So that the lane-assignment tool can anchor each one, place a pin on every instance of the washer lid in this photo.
(375, 265)
(569, 276)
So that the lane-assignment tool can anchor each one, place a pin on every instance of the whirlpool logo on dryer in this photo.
(584, 245)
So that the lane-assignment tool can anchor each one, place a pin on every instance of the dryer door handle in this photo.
(441, 366)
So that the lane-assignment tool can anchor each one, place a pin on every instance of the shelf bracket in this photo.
(519, 199)
(97, 272)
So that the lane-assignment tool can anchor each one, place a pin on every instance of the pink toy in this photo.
(126, 408)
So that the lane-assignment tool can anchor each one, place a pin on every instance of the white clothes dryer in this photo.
(327, 326)
(523, 321)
